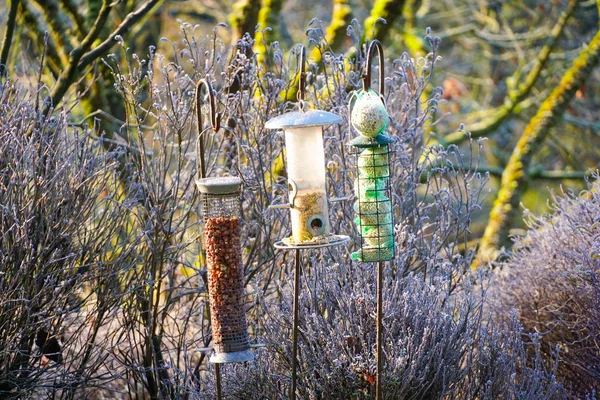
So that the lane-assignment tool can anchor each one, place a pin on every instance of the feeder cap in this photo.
(299, 119)
(362, 141)
(219, 185)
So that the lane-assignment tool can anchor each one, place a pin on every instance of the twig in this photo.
(7, 41)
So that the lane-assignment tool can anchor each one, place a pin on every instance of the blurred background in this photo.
(501, 59)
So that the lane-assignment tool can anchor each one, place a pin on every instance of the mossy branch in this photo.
(335, 33)
(514, 177)
(8, 35)
(59, 26)
(71, 9)
(514, 98)
(269, 21)
(79, 59)
(390, 11)
(244, 18)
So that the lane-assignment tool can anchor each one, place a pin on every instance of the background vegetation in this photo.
(102, 285)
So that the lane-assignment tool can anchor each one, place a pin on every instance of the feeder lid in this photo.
(219, 185)
(299, 119)
(364, 141)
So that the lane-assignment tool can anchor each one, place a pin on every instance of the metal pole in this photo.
(379, 372)
(218, 376)
(295, 323)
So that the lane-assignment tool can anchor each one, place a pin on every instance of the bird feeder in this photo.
(221, 211)
(373, 205)
(305, 157)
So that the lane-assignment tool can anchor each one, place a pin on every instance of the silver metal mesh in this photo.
(373, 204)
(222, 227)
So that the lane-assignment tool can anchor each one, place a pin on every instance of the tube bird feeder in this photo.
(305, 157)
(221, 211)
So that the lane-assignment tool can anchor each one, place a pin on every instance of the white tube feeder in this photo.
(306, 173)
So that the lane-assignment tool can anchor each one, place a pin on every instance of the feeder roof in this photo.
(219, 185)
(299, 119)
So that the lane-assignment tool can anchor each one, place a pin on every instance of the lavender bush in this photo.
(56, 225)
(552, 279)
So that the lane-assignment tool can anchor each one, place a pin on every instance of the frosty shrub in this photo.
(552, 280)
(55, 221)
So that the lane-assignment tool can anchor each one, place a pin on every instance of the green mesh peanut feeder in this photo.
(373, 205)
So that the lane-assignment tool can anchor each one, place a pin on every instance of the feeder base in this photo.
(322, 241)
(235, 357)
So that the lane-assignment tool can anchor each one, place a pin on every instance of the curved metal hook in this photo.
(302, 78)
(366, 76)
(214, 120)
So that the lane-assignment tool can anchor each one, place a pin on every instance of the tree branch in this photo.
(78, 61)
(8, 35)
(244, 18)
(390, 11)
(513, 98)
(71, 9)
(514, 177)
(58, 26)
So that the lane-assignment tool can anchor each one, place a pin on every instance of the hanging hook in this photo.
(366, 76)
(302, 78)
(214, 120)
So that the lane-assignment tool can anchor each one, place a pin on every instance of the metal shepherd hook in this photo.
(297, 270)
(215, 124)
(214, 121)
(366, 78)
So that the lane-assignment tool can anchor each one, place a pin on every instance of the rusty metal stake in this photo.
(295, 323)
(218, 376)
(378, 394)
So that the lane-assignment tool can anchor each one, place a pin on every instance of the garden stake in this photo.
(379, 329)
(308, 202)
(296, 321)
(372, 188)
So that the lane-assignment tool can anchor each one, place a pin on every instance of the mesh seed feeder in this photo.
(222, 217)
(221, 212)
(373, 205)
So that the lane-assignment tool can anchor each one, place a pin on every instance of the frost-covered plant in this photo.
(55, 220)
(552, 279)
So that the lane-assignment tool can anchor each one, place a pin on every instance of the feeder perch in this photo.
(305, 157)
(221, 211)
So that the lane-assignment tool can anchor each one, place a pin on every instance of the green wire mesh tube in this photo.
(373, 205)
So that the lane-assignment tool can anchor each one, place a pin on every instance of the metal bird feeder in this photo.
(222, 218)
(373, 205)
(221, 211)
(308, 201)
(305, 156)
